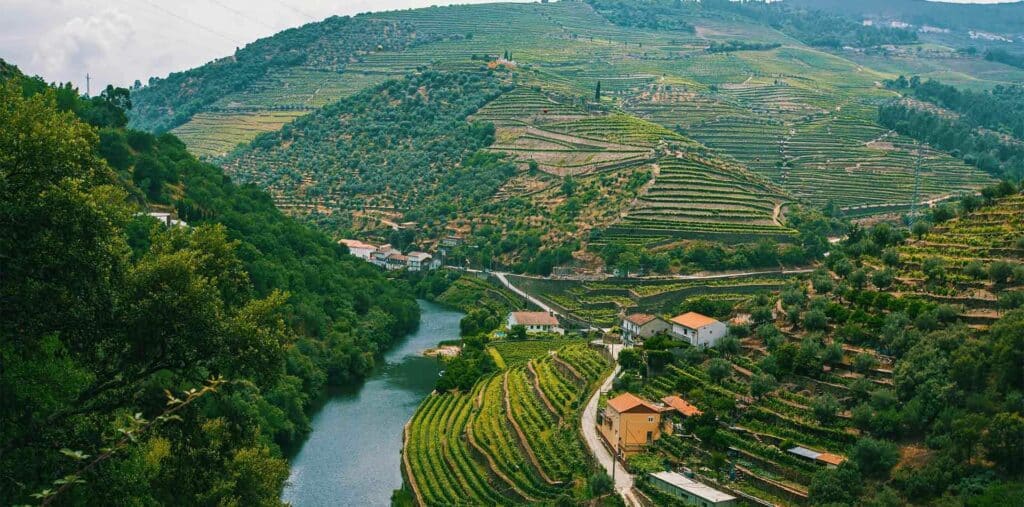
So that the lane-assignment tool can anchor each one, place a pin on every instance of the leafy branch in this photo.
(130, 433)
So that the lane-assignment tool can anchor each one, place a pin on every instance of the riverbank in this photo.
(353, 453)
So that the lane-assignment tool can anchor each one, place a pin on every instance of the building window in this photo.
(650, 419)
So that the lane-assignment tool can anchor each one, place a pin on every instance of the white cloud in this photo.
(83, 43)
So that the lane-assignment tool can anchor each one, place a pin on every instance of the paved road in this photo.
(588, 421)
(504, 281)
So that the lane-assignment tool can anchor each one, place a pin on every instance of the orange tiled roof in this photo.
(831, 459)
(628, 401)
(693, 320)
(534, 319)
(682, 406)
(640, 318)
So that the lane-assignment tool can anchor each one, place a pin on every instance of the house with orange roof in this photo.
(628, 423)
(698, 330)
(638, 326)
(534, 322)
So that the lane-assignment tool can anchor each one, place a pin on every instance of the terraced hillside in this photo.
(603, 303)
(697, 197)
(511, 439)
(979, 256)
(786, 125)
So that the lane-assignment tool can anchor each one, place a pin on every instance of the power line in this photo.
(242, 14)
(305, 15)
(230, 39)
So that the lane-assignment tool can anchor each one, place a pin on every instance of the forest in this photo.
(166, 365)
(984, 128)
(345, 151)
(810, 26)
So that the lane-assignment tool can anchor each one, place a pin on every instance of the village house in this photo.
(628, 423)
(167, 219)
(535, 322)
(418, 261)
(676, 410)
(689, 491)
(698, 330)
(358, 248)
(825, 459)
(638, 326)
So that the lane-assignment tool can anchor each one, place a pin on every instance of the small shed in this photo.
(690, 491)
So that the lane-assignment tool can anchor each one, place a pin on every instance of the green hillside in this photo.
(134, 353)
(784, 104)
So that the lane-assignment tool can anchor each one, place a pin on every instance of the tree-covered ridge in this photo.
(810, 26)
(330, 44)
(401, 145)
(105, 310)
(985, 129)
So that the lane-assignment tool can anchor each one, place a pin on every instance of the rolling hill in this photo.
(709, 128)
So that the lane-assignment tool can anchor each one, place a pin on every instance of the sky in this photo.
(119, 41)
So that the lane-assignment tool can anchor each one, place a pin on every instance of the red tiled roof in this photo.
(534, 319)
(831, 459)
(693, 320)
(628, 401)
(640, 319)
(682, 406)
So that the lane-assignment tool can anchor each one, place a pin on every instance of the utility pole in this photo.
(87, 78)
(912, 217)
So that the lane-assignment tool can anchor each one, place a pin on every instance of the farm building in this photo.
(638, 326)
(825, 459)
(690, 491)
(534, 322)
(698, 330)
(628, 423)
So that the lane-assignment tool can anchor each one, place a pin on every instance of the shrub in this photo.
(874, 458)
(719, 369)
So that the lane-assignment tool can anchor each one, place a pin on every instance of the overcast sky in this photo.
(119, 41)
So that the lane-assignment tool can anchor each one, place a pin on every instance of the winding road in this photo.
(588, 423)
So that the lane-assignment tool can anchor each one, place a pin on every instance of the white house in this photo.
(690, 491)
(638, 326)
(535, 322)
(167, 219)
(698, 330)
(358, 248)
(418, 261)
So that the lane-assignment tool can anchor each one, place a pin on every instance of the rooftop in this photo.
(355, 243)
(534, 319)
(419, 256)
(628, 401)
(640, 319)
(693, 487)
(682, 406)
(831, 459)
(693, 320)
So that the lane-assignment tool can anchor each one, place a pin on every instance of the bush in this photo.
(719, 369)
(599, 484)
(874, 458)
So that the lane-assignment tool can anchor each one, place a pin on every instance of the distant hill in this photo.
(765, 108)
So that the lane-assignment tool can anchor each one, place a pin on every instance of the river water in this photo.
(353, 454)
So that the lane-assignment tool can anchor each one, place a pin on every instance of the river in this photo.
(353, 454)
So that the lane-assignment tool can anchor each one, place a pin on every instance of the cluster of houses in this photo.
(391, 258)
(696, 329)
